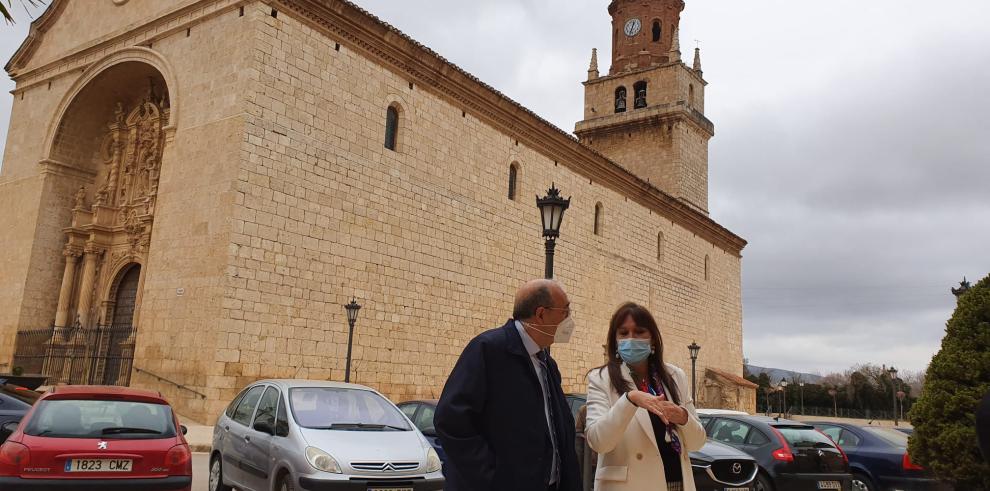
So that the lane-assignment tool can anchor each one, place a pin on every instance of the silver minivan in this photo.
(310, 435)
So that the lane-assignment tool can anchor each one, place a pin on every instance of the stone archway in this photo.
(114, 128)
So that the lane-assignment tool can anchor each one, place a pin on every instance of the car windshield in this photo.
(889, 435)
(120, 420)
(333, 408)
(804, 437)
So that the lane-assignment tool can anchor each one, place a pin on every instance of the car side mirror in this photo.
(7, 429)
(430, 432)
(264, 427)
(183, 429)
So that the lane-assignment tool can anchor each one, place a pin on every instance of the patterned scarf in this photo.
(656, 389)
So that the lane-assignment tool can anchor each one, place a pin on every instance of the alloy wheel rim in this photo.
(215, 475)
(858, 485)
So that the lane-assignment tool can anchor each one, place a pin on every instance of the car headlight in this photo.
(432, 460)
(321, 460)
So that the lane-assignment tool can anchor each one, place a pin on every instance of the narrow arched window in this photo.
(707, 267)
(640, 90)
(660, 246)
(391, 127)
(620, 100)
(657, 31)
(513, 180)
(599, 219)
(691, 95)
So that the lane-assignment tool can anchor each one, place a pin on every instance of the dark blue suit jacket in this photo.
(491, 420)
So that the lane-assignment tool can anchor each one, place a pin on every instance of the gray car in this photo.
(301, 434)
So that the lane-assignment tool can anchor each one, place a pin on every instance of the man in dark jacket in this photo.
(502, 417)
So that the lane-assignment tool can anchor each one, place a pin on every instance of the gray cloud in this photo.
(850, 149)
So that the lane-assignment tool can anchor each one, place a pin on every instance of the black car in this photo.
(792, 456)
(878, 458)
(421, 414)
(716, 467)
(15, 402)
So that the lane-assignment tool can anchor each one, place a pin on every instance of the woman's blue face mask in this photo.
(633, 350)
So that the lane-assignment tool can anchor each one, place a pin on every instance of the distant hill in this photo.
(777, 374)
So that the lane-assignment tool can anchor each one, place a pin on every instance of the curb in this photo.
(199, 448)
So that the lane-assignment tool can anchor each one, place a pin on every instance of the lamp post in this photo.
(802, 397)
(900, 402)
(693, 348)
(352, 313)
(783, 388)
(835, 405)
(552, 208)
(893, 386)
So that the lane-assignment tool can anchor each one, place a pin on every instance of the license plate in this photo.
(98, 465)
(738, 489)
(390, 489)
(830, 485)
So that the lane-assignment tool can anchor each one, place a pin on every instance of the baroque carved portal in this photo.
(114, 232)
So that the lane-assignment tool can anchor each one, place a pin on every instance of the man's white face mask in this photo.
(564, 330)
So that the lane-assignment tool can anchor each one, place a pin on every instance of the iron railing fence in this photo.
(101, 355)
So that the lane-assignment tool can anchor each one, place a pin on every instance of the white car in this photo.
(313, 435)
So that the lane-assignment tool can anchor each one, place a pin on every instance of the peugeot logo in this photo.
(101, 446)
(737, 468)
(821, 453)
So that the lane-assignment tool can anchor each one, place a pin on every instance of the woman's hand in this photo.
(667, 411)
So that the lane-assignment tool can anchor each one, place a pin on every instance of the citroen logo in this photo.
(101, 446)
(388, 467)
(737, 468)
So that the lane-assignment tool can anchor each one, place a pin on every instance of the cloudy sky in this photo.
(852, 149)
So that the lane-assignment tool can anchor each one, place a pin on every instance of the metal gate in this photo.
(101, 355)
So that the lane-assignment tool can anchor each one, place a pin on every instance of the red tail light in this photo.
(179, 461)
(13, 458)
(784, 453)
(908, 465)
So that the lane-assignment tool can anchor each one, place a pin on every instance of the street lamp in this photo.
(552, 208)
(835, 405)
(693, 348)
(802, 397)
(352, 313)
(783, 388)
(893, 386)
(900, 402)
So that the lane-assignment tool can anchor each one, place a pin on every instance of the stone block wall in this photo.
(425, 237)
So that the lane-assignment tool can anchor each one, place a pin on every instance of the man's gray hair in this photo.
(526, 305)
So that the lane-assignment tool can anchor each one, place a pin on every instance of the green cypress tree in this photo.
(944, 418)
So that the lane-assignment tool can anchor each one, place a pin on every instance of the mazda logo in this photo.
(737, 468)
(101, 446)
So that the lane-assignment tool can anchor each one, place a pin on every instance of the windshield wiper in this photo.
(116, 430)
(362, 426)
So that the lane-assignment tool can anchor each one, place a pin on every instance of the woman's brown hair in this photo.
(657, 369)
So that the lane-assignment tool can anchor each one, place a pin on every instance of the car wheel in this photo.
(216, 475)
(762, 483)
(285, 484)
(861, 482)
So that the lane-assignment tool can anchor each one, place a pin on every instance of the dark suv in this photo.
(792, 456)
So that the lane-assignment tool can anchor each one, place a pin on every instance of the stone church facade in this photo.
(193, 189)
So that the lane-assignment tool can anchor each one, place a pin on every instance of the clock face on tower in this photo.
(632, 27)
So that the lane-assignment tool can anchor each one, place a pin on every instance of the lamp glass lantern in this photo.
(552, 208)
(693, 348)
(352, 311)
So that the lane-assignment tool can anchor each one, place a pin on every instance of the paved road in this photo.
(201, 471)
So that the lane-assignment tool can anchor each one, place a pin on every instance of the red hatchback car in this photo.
(97, 438)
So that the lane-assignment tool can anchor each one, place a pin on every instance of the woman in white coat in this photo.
(641, 417)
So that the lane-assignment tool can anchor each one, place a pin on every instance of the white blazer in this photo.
(622, 434)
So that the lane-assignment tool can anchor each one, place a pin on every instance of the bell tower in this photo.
(647, 114)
